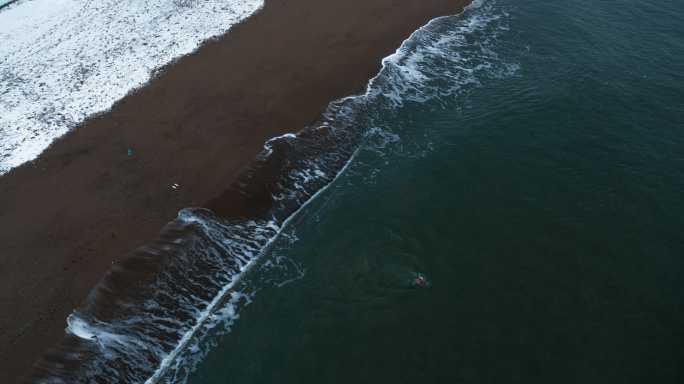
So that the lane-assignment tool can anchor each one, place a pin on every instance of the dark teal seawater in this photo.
(542, 199)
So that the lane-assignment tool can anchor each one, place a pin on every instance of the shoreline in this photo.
(7, 4)
(84, 203)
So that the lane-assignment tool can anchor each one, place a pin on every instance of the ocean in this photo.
(527, 158)
(502, 204)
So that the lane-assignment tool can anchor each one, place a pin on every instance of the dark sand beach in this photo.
(85, 203)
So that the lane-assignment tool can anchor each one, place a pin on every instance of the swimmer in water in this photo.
(420, 281)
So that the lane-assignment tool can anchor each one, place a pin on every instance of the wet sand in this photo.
(85, 202)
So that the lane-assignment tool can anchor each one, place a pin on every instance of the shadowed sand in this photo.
(85, 202)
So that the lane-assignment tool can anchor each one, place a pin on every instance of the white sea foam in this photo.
(78, 327)
(81, 328)
(445, 58)
(64, 60)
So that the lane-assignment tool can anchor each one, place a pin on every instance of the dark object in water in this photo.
(420, 281)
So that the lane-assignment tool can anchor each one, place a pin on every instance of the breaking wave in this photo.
(145, 321)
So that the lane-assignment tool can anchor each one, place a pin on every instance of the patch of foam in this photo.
(64, 60)
(218, 323)
(445, 58)
(81, 328)
(78, 327)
